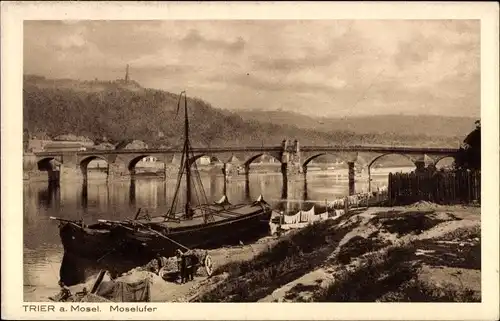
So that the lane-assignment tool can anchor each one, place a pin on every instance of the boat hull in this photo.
(119, 249)
(88, 242)
(83, 247)
(211, 236)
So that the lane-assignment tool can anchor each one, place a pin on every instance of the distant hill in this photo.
(119, 111)
(379, 124)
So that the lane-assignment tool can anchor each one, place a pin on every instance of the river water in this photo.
(119, 200)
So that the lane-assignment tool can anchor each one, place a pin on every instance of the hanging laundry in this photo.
(292, 219)
(305, 215)
(322, 216)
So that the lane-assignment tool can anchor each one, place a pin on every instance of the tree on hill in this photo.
(59, 107)
(469, 154)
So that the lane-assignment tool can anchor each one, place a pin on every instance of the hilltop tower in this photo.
(127, 77)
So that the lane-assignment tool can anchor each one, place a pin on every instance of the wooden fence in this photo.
(442, 187)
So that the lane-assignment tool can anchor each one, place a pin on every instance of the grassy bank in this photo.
(391, 275)
(290, 258)
(403, 255)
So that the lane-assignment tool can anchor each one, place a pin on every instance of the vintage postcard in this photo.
(295, 155)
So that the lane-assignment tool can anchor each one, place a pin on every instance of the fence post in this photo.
(389, 189)
(460, 186)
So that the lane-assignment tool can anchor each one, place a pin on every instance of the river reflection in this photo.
(119, 200)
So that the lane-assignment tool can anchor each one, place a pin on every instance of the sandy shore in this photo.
(163, 291)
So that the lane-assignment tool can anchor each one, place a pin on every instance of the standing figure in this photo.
(189, 266)
(180, 268)
(193, 264)
(162, 261)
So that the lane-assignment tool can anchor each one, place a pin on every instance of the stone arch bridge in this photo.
(292, 157)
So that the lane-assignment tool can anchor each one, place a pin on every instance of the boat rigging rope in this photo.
(162, 235)
(198, 179)
(177, 187)
(201, 191)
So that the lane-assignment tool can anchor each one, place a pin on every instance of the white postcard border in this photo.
(13, 15)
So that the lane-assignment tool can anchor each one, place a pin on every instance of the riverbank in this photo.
(422, 252)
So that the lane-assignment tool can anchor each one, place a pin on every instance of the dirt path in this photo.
(310, 281)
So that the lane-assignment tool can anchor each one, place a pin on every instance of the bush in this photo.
(419, 291)
(357, 246)
(463, 233)
(404, 223)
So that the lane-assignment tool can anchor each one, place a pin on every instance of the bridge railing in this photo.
(401, 149)
(331, 148)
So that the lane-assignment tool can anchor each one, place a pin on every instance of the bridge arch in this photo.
(439, 159)
(370, 164)
(51, 165)
(315, 156)
(255, 157)
(85, 162)
(152, 164)
(213, 158)
(46, 164)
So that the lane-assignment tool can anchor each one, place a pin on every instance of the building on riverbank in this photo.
(132, 144)
(66, 146)
(41, 145)
(36, 145)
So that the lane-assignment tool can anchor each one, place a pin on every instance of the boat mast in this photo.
(187, 164)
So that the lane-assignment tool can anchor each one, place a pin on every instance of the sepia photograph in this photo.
(251, 160)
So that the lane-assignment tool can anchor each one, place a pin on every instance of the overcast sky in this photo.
(327, 68)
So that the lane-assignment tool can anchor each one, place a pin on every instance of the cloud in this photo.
(194, 40)
(323, 67)
(286, 64)
(295, 84)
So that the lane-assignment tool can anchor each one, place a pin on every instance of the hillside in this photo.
(412, 125)
(119, 111)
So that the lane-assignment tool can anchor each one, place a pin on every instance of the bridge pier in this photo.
(170, 171)
(369, 179)
(54, 176)
(284, 175)
(305, 194)
(226, 169)
(284, 172)
(69, 167)
(288, 170)
(84, 196)
(117, 171)
(71, 172)
(247, 181)
(352, 189)
(131, 192)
